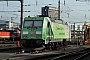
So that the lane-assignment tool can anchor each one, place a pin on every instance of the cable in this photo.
(73, 16)
(71, 10)
(45, 4)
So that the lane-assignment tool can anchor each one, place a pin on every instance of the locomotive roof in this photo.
(36, 18)
(41, 18)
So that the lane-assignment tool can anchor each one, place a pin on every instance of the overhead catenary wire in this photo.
(75, 10)
(65, 4)
(38, 3)
(11, 5)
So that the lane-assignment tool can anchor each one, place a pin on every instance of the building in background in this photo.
(50, 11)
(78, 31)
(2, 24)
(11, 25)
(8, 25)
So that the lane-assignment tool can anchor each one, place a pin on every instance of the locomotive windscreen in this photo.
(33, 23)
(28, 23)
(37, 23)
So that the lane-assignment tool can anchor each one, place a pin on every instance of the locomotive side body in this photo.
(61, 32)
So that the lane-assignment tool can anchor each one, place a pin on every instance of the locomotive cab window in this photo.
(38, 23)
(33, 23)
(28, 23)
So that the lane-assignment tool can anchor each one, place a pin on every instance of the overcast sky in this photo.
(71, 11)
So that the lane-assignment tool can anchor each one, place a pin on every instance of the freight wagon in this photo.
(42, 31)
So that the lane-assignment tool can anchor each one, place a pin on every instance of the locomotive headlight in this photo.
(38, 32)
(25, 32)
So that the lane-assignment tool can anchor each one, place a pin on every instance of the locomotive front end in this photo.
(32, 32)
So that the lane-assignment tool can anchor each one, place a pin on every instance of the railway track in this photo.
(10, 49)
(63, 55)
(74, 55)
(78, 55)
(7, 45)
(14, 49)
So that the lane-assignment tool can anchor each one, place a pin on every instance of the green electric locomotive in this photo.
(38, 31)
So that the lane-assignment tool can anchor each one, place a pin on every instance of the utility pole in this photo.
(21, 13)
(74, 31)
(58, 9)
